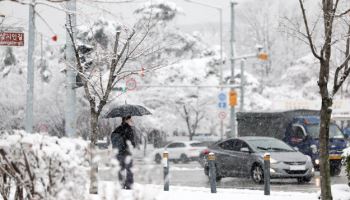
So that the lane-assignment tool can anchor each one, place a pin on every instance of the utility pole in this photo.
(232, 81)
(70, 113)
(221, 50)
(30, 70)
(241, 108)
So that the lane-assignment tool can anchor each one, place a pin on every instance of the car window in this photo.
(199, 144)
(172, 145)
(227, 145)
(181, 145)
(239, 144)
(298, 132)
(269, 144)
(176, 145)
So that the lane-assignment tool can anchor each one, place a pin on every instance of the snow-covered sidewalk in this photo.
(107, 191)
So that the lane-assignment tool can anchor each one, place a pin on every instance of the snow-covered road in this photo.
(192, 175)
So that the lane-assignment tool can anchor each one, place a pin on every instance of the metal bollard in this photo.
(266, 174)
(166, 170)
(212, 172)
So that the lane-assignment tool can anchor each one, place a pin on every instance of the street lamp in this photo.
(220, 13)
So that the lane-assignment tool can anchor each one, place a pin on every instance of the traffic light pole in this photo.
(232, 132)
(70, 112)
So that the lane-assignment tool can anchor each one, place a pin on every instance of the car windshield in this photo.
(262, 145)
(314, 131)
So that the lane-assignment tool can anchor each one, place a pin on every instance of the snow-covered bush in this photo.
(346, 155)
(43, 167)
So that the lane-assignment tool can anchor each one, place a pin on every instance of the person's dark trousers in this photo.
(125, 175)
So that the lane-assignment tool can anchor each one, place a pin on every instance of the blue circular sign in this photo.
(222, 96)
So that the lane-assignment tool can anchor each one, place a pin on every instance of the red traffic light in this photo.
(54, 38)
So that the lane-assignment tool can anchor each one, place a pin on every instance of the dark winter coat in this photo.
(120, 136)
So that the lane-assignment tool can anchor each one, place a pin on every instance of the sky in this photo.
(193, 14)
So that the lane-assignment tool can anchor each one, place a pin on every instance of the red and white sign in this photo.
(11, 38)
(222, 115)
(130, 84)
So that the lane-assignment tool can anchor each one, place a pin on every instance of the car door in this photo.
(241, 159)
(225, 157)
(172, 150)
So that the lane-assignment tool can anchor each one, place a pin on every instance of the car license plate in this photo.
(297, 167)
(334, 157)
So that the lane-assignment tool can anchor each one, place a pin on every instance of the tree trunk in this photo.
(325, 117)
(94, 163)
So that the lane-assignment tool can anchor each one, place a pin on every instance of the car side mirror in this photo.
(346, 136)
(245, 149)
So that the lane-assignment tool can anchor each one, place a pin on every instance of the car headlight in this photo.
(273, 161)
(313, 149)
(317, 161)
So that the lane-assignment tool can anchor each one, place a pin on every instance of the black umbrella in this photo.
(127, 110)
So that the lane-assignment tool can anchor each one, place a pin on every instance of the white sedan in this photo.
(180, 151)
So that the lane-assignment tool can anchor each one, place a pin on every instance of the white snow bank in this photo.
(341, 192)
(346, 152)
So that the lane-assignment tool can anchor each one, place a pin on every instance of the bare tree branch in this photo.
(309, 36)
(337, 84)
(343, 13)
(79, 66)
(114, 63)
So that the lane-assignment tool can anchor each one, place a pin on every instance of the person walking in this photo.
(120, 138)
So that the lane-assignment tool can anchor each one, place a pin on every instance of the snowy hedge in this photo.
(36, 166)
(346, 155)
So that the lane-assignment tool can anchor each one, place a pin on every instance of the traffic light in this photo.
(263, 56)
(233, 98)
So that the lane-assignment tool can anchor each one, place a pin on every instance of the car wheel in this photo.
(335, 171)
(175, 161)
(304, 179)
(158, 159)
(184, 158)
(257, 174)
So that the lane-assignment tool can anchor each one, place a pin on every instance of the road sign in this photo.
(222, 97)
(222, 105)
(11, 37)
(130, 84)
(222, 115)
(43, 128)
